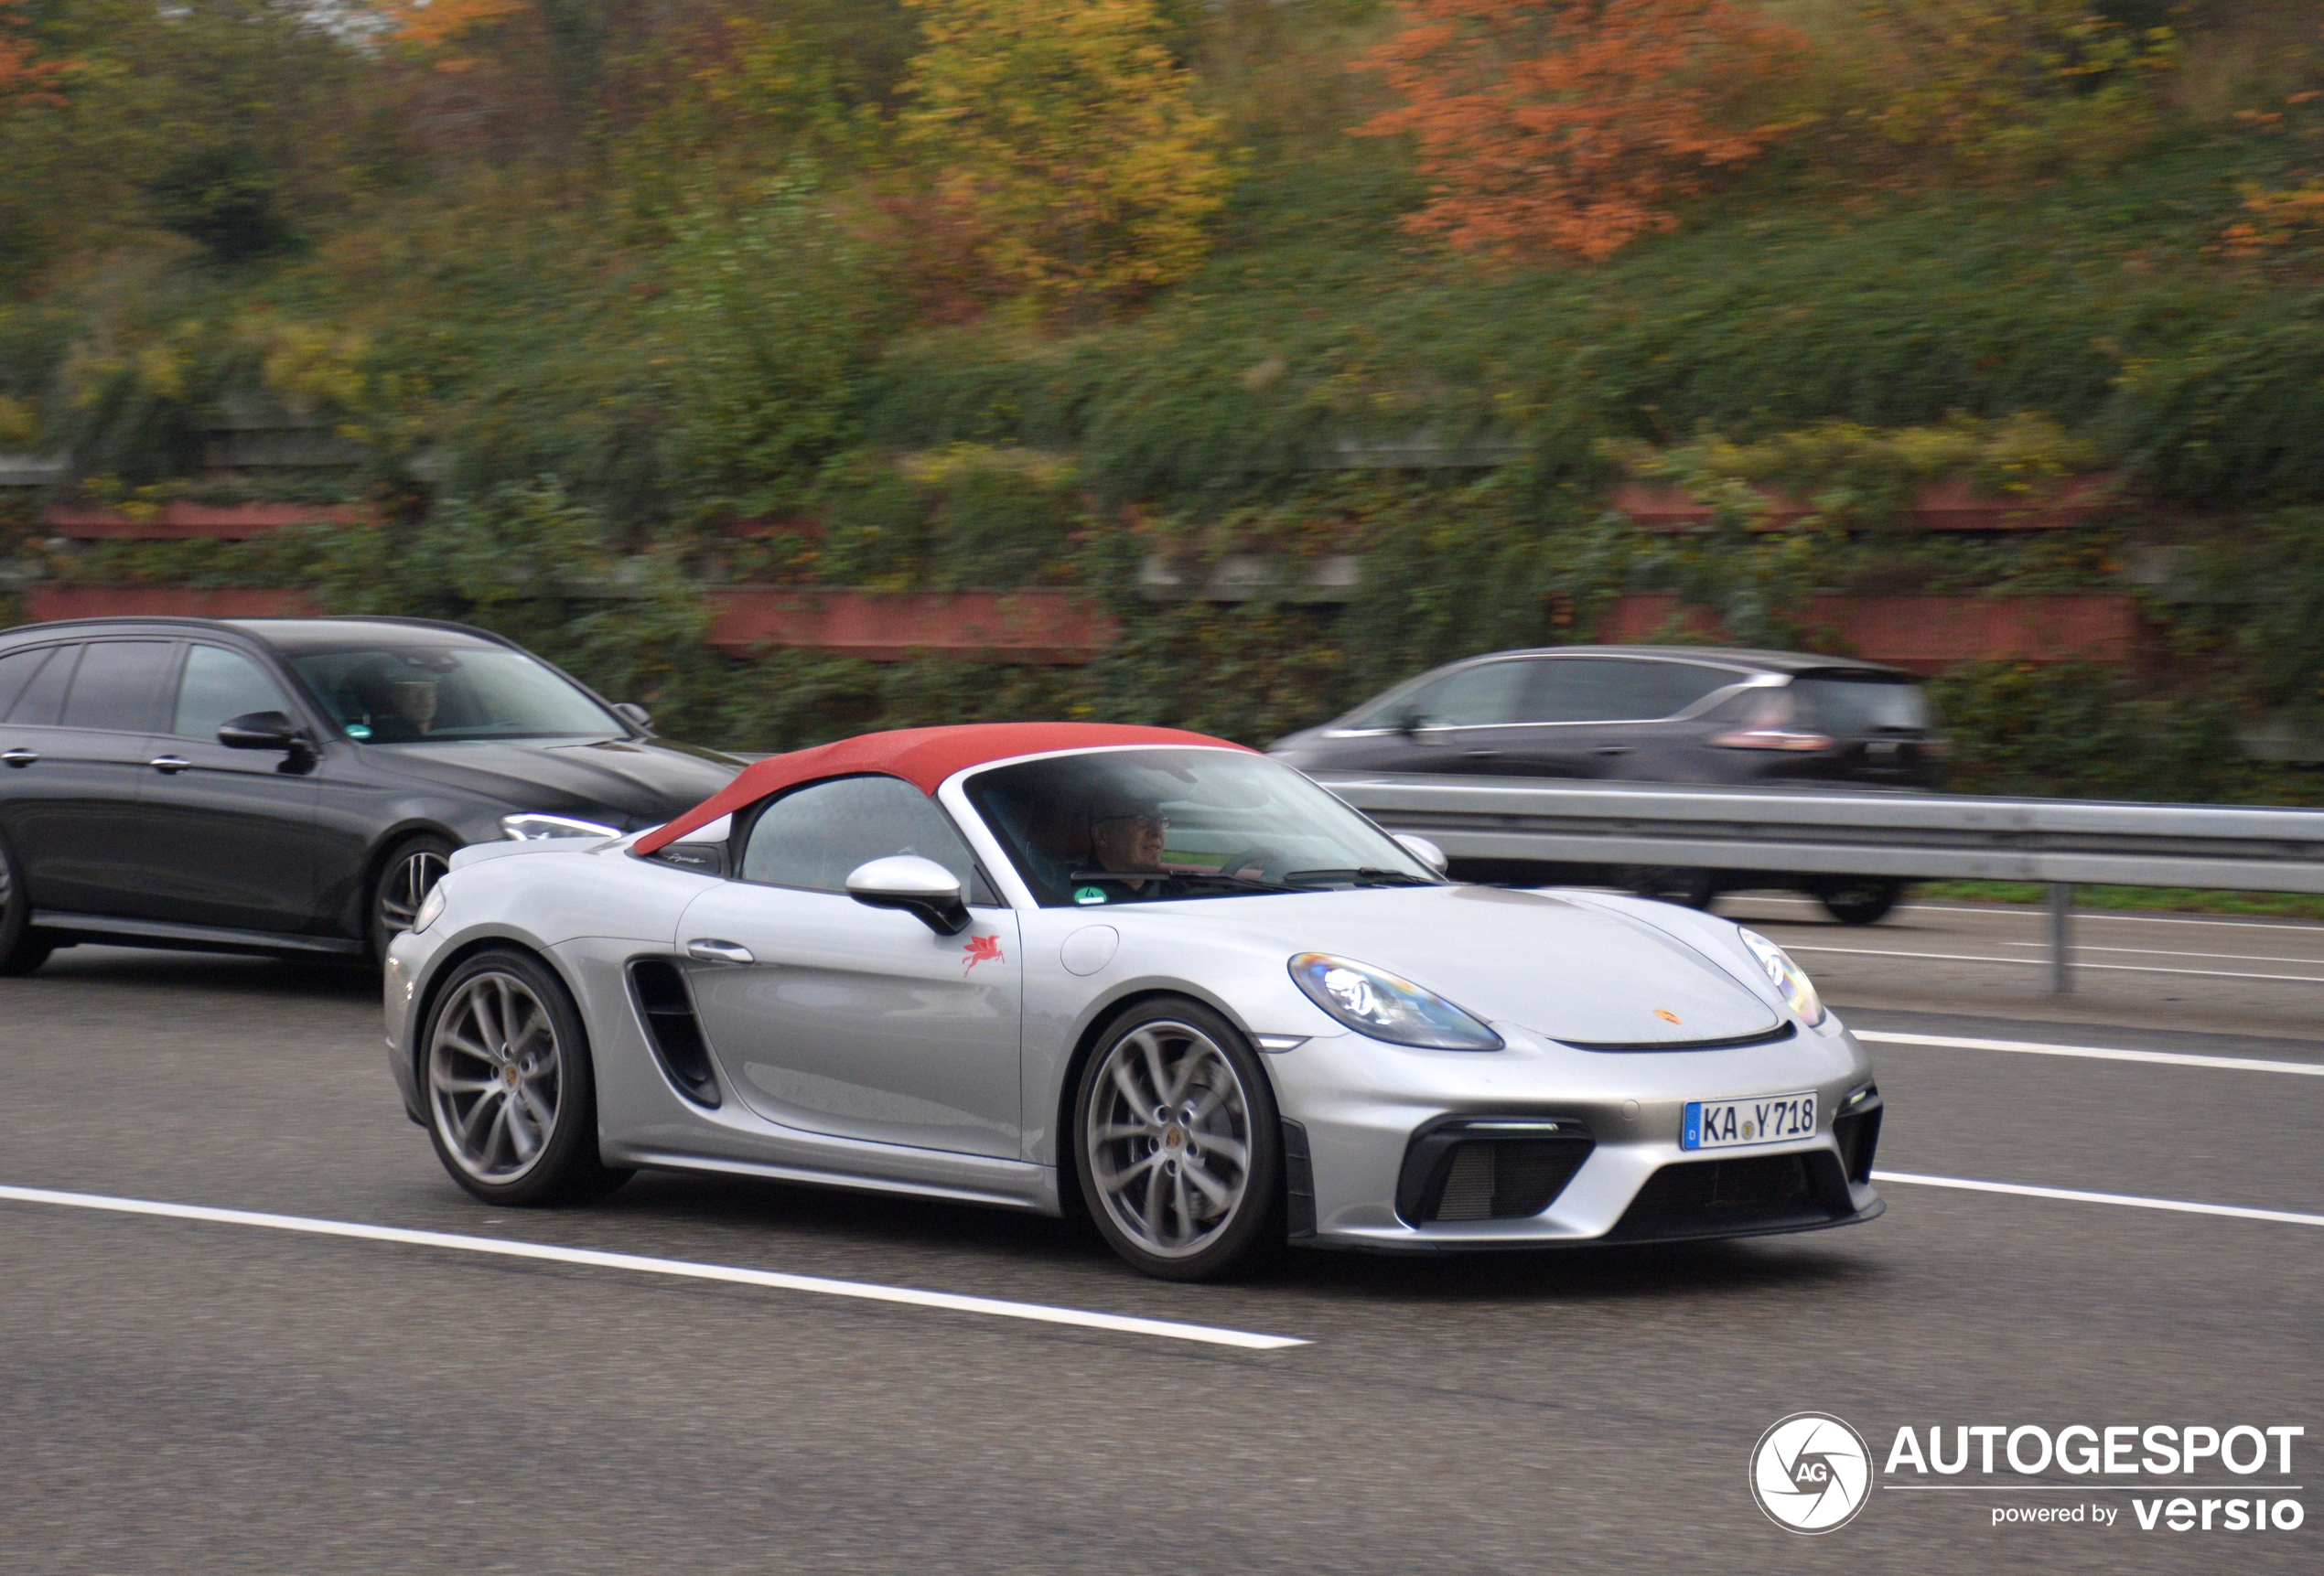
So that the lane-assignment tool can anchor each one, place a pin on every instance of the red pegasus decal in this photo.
(981, 950)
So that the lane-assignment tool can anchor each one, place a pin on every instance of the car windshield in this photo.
(1866, 704)
(1150, 825)
(418, 694)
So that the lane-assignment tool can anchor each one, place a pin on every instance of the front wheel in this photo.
(1178, 1145)
(1859, 899)
(511, 1103)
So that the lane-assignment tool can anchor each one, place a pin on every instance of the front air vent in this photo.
(666, 1008)
(1732, 1197)
(1857, 1129)
(1490, 1168)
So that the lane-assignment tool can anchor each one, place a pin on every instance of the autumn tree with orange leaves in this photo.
(1569, 127)
(23, 79)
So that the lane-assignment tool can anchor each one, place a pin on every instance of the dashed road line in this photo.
(2044, 963)
(2123, 1200)
(502, 1248)
(2096, 1053)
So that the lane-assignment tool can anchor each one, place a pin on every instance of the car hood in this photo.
(631, 782)
(1563, 970)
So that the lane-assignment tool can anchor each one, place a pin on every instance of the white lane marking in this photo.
(2127, 1200)
(2024, 911)
(2098, 1053)
(2044, 963)
(2079, 947)
(505, 1249)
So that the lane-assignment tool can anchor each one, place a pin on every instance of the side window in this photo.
(43, 700)
(817, 835)
(17, 670)
(218, 686)
(118, 686)
(1617, 688)
(1478, 697)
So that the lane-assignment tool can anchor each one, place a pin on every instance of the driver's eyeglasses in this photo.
(1143, 822)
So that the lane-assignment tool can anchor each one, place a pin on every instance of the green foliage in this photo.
(2013, 88)
(1852, 476)
(528, 562)
(765, 327)
(2086, 730)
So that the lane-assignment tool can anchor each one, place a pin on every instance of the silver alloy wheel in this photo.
(1169, 1139)
(495, 1074)
(406, 886)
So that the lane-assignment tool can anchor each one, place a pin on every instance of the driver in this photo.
(1125, 833)
(399, 710)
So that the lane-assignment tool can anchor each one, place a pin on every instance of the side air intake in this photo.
(666, 1007)
(1490, 1168)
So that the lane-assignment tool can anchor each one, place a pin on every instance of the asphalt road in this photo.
(195, 1396)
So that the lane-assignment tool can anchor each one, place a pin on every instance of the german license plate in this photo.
(1730, 1124)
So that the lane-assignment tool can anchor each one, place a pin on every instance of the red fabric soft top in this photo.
(921, 756)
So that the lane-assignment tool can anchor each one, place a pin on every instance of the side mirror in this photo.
(634, 714)
(262, 731)
(920, 886)
(1427, 852)
(1410, 720)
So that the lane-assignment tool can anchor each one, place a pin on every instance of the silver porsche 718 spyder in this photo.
(1134, 971)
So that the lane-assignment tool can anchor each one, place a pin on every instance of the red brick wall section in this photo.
(1056, 627)
(47, 603)
(1928, 634)
(182, 521)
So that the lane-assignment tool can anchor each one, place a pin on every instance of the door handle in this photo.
(1480, 755)
(170, 765)
(1611, 750)
(710, 950)
(19, 758)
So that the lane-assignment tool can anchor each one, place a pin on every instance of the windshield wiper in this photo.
(1363, 875)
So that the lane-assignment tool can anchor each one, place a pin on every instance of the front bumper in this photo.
(1584, 1146)
(405, 965)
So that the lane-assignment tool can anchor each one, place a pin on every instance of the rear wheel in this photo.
(413, 868)
(22, 948)
(1178, 1145)
(511, 1103)
(1859, 899)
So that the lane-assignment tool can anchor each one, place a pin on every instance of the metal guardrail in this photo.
(2060, 843)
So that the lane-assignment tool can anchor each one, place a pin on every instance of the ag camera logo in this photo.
(1811, 1473)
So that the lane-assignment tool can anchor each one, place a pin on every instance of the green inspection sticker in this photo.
(1089, 895)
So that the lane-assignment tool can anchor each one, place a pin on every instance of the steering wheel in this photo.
(1273, 865)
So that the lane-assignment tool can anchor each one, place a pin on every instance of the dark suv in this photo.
(1651, 713)
(291, 786)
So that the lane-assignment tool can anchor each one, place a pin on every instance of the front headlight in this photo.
(532, 825)
(1799, 991)
(430, 906)
(1374, 1001)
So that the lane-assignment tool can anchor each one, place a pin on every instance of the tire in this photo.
(1167, 1098)
(511, 1097)
(1666, 884)
(1859, 899)
(22, 948)
(406, 876)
